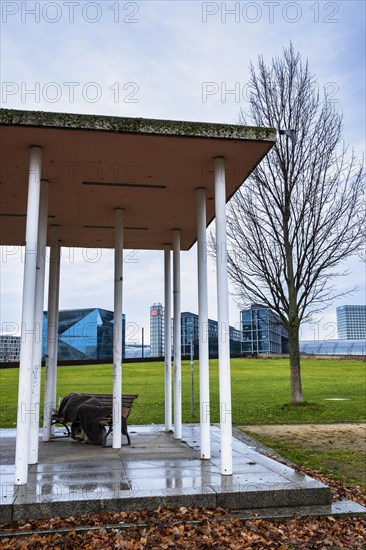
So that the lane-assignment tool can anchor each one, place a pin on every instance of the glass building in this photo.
(263, 331)
(157, 330)
(351, 322)
(137, 351)
(189, 335)
(84, 334)
(333, 347)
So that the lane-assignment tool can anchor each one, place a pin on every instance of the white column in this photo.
(223, 319)
(38, 318)
(117, 330)
(203, 324)
(168, 336)
(52, 331)
(177, 337)
(55, 346)
(27, 328)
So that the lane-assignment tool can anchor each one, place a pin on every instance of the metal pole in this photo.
(177, 337)
(168, 336)
(142, 342)
(203, 325)
(117, 331)
(27, 327)
(223, 319)
(38, 317)
(52, 331)
(55, 346)
(192, 377)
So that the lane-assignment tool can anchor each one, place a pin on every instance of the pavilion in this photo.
(75, 180)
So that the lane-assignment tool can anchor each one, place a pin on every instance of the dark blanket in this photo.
(69, 406)
(90, 412)
(86, 410)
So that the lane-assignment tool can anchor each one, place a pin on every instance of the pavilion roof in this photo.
(95, 164)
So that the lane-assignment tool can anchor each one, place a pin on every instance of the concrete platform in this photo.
(75, 478)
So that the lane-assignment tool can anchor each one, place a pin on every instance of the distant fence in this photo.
(15, 364)
(61, 363)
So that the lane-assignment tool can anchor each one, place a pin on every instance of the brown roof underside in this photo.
(169, 161)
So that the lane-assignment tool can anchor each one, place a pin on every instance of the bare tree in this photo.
(299, 215)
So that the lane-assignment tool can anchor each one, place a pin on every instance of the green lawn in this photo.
(337, 464)
(260, 390)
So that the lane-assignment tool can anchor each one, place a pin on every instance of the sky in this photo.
(169, 59)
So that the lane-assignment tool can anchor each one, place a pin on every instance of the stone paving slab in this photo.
(337, 509)
(156, 470)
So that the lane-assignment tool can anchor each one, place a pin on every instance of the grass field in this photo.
(260, 390)
(343, 465)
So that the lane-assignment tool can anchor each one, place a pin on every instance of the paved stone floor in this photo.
(74, 478)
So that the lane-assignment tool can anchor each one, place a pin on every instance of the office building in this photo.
(9, 348)
(190, 341)
(263, 331)
(85, 334)
(157, 330)
(351, 322)
(189, 334)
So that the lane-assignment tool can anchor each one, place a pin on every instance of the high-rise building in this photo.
(85, 334)
(157, 330)
(263, 331)
(351, 322)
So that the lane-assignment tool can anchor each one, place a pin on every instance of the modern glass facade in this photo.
(263, 331)
(351, 322)
(189, 335)
(135, 351)
(157, 330)
(85, 334)
(333, 347)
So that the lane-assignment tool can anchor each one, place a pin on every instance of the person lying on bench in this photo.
(85, 413)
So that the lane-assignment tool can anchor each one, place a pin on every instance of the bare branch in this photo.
(302, 211)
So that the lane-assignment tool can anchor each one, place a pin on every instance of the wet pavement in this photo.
(75, 478)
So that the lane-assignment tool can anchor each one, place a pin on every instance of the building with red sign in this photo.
(157, 330)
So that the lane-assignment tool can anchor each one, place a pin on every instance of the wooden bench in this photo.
(106, 400)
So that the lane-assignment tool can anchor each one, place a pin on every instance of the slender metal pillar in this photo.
(55, 346)
(38, 318)
(28, 328)
(203, 324)
(168, 336)
(223, 319)
(52, 331)
(117, 330)
(177, 337)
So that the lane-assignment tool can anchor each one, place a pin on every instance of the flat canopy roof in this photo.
(95, 164)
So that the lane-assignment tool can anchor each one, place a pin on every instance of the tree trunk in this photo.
(294, 348)
(293, 324)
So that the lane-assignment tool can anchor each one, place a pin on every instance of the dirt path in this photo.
(320, 437)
